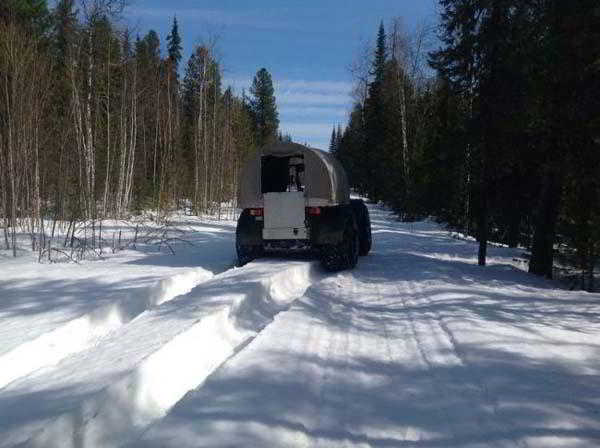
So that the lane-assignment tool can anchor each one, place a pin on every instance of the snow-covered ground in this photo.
(417, 347)
(48, 311)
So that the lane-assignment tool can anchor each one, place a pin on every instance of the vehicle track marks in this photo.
(447, 352)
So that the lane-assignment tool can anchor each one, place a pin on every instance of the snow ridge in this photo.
(83, 331)
(120, 411)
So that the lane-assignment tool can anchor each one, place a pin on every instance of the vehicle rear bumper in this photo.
(285, 233)
(288, 245)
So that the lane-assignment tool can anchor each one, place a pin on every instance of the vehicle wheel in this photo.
(247, 253)
(337, 257)
(361, 212)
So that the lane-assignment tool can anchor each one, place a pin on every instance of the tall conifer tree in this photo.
(375, 115)
(264, 107)
(174, 44)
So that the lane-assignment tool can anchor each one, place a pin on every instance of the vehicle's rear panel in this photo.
(285, 216)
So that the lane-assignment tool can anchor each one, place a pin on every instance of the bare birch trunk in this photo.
(205, 163)
(123, 146)
(3, 188)
(108, 132)
(90, 169)
(132, 140)
(399, 47)
(199, 131)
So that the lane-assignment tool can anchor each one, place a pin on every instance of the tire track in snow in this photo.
(304, 337)
(401, 350)
(408, 433)
(304, 347)
(484, 391)
(446, 352)
(330, 388)
(87, 330)
(333, 345)
(359, 310)
(428, 362)
(349, 334)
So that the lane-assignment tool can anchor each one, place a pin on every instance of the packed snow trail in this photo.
(417, 347)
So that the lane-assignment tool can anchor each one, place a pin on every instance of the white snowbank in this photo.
(77, 334)
(133, 376)
(51, 311)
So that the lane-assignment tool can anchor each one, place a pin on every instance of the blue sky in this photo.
(307, 46)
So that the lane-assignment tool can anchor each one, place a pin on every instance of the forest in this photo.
(96, 123)
(495, 131)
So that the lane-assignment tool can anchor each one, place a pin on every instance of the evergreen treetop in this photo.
(153, 45)
(174, 44)
(333, 141)
(64, 18)
(378, 69)
(264, 107)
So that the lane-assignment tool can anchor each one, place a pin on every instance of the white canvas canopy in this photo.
(325, 180)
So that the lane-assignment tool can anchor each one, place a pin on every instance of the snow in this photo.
(417, 347)
(48, 312)
(132, 377)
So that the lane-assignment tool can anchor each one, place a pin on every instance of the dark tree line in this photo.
(97, 123)
(502, 141)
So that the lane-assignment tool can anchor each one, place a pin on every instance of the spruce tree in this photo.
(351, 150)
(64, 19)
(378, 69)
(264, 107)
(174, 45)
(153, 45)
(477, 58)
(333, 142)
(375, 118)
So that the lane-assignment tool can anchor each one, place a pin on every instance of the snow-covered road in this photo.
(417, 347)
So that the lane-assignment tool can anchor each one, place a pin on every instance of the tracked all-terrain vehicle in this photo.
(297, 199)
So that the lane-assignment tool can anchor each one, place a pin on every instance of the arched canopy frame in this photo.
(325, 180)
